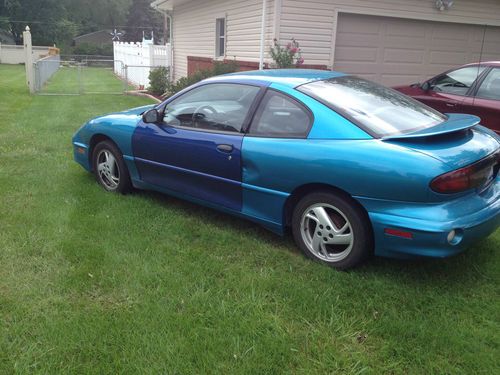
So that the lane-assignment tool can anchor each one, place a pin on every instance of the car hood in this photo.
(411, 90)
(131, 113)
(137, 110)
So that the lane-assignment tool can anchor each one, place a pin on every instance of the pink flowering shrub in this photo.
(286, 57)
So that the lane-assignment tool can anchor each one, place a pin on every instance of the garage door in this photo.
(396, 51)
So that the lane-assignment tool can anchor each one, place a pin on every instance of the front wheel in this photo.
(109, 168)
(332, 230)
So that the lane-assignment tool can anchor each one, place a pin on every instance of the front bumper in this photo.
(474, 217)
(81, 154)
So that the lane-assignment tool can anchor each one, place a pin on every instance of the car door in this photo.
(278, 129)
(485, 103)
(196, 149)
(447, 91)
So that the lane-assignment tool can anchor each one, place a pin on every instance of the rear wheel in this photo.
(332, 230)
(109, 168)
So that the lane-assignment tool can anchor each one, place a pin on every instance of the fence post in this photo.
(151, 56)
(28, 59)
(124, 79)
(126, 76)
(36, 69)
(80, 78)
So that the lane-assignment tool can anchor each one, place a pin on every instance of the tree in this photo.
(44, 21)
(94, 15)
(143, 18)
(59, 21)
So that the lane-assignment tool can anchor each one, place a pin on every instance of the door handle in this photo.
(225, 148)
(448, 104)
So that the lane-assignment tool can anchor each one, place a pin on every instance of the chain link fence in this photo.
(45, 68)
(77, 75)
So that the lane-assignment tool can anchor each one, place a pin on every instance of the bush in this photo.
(224, 67)
(158, 80)
(286, 57)
(217, 69)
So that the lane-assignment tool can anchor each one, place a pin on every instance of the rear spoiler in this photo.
(454, 123)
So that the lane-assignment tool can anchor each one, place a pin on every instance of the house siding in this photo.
(194, 30)
(313, 23)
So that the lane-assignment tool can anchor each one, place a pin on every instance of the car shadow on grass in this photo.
(471, 265)
(463, 271)
(219, 219)
(462, 266)
(205, 214)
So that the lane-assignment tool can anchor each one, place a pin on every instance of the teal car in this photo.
(350, 167)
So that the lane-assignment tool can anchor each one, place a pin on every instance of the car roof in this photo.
(287, 77)
(487, 63)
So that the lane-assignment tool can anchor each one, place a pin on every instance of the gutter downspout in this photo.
(167, 14)
(262, 34)
(171, 41)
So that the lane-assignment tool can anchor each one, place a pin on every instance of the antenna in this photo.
(480, 59)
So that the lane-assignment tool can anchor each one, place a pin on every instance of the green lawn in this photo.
(71, 79)
(98, 283)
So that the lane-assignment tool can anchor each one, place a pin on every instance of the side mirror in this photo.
(151, 116)
(426, 86)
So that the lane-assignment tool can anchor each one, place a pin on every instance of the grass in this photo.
(97, 283)
(71, 79)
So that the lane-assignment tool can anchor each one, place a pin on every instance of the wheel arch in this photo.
(301, 191)
(96, 139)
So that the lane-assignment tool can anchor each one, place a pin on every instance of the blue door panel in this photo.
(188, 161)
(220, 191)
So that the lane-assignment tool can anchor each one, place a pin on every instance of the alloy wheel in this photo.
(108, 170)
(326, 232)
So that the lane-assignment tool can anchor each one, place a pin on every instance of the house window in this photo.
(220, 37)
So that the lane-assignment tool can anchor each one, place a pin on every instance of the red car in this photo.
(472, 88)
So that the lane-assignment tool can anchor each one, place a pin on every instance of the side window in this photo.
(220, 37)
(281, 116)
(215, 107)
(490, 88)
(458, 81)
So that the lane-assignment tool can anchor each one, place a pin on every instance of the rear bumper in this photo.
(473, 217)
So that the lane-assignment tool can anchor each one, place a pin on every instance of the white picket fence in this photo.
(134, 61)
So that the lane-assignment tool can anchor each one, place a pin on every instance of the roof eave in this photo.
(162, 4)
(166, 5)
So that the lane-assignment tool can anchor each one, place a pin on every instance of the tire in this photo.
(332, 229)
(109, 168)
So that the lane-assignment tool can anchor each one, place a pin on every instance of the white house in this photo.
(389, 41)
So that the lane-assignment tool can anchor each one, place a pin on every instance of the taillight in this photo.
(470, 177)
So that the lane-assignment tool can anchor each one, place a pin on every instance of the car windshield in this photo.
(380, 111)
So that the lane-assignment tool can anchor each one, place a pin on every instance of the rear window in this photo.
(379, 110)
